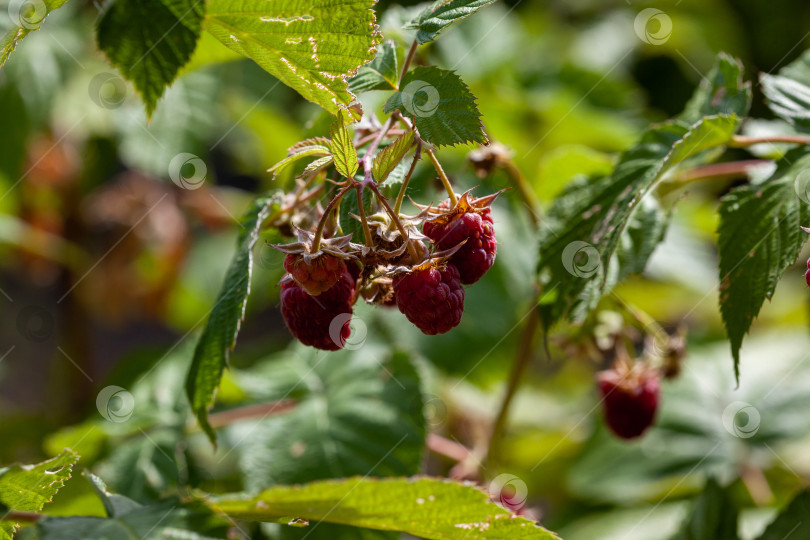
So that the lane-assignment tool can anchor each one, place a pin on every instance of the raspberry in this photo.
(475, 226)
(431, 298)
(317, 276)
(310, 318)
(630, 400)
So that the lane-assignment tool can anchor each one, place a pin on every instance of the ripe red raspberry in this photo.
(310, 318)
(629, 400)
(317, 276)
(431, 298)
(475, 226)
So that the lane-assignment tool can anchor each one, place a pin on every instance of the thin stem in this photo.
(757, 484)
(368, 138)
(316, 243)
(525, 191)
(448, 448)
(378, 139)
(404, 187)
(363, 220)
(519, 365)
(645, 319)
(368, 157)
(16, 516)
(442, 177)
(308, 197)
(716, 170)
(741, 141)
(409, 59)
(249, 412)
(397, 222)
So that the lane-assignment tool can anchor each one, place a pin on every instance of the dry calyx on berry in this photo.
(317, 271)
(468, 221)
(630, 394)
(430, 294)
(397, 265)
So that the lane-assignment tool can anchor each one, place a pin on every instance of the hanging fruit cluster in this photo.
(418, 263)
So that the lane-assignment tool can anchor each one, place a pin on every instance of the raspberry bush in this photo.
(450, 325)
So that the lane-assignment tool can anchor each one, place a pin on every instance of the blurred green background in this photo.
(108, 269)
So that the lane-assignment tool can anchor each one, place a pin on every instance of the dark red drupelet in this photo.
(432, 299)
(313, 320)
(317, 276)
(477, 255)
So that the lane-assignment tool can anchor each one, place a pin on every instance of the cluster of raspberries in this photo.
(323, 281)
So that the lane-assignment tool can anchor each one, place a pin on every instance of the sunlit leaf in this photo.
(423, 507)
(343, 150)
(441, 106)
(441, 14)
(312, 46)
(20, 19)
(379, 74)
(390, 156)
(26, 488)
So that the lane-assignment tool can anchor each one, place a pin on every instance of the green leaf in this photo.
(343, 150)
(425, 507)
(26, 488)
(714, 516)
(159, 521)
(114, 505)
(441, 14)
(127, 519)
(441, 106)
(219, 336)
(721, 91)
(388, 159)
(379, 74)
(150, 41)
(357, 412)
(312, 46)
(317, 166)
(18, 24)
(348, 206)
(645, 230)
(792, 522)
(788, 92)
(759, 238)
(300, 152)
(585, 228)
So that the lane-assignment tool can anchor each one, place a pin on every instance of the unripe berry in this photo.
(316, 276)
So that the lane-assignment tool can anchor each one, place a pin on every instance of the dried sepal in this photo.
(442, 215)
(339, 246)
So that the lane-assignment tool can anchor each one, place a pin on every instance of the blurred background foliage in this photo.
(108, 271)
